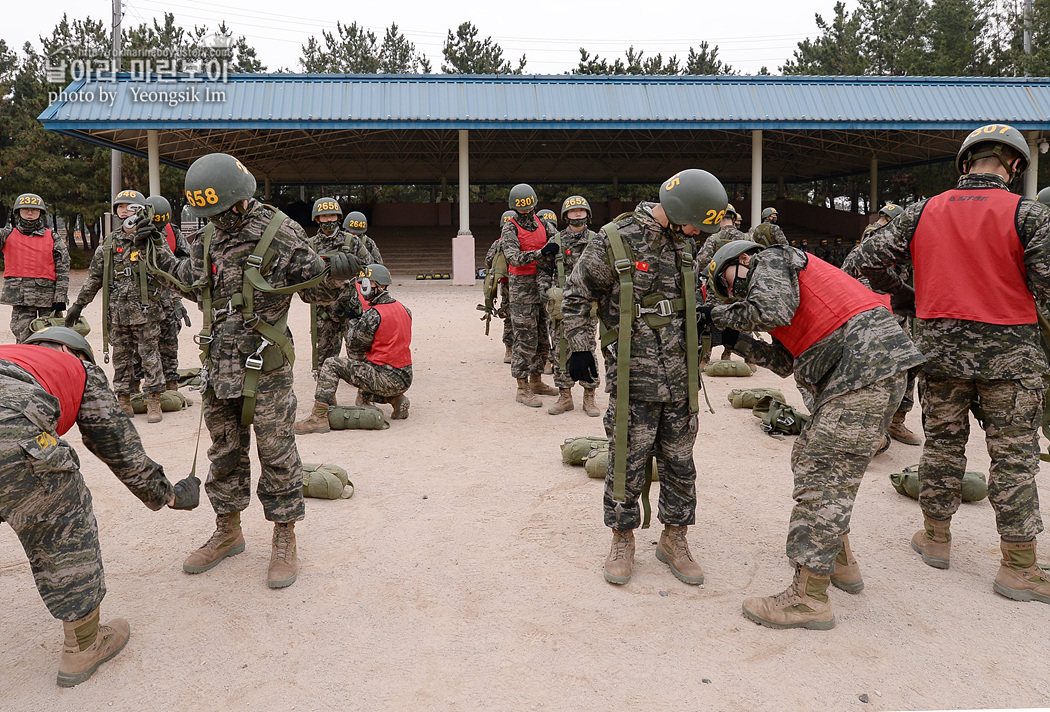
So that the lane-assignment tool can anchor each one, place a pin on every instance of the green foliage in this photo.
(465, 54)
(355, 50)
(703, 60)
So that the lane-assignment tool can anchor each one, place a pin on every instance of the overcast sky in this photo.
(749, 33)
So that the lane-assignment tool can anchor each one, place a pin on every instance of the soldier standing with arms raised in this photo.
(331, 321)
(982, 345)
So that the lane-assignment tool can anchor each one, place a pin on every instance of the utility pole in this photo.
(1027, 29)
(114, 160)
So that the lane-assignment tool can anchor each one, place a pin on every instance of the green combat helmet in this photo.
(68, 337)
(28, 200)
(547, 214)
(731, 212)
(161, 210)
(769, 214)
(891, 210)
(998, 134)
(522, 198)
(215, 182)
(128, 197)
(372, 276)
(356, 222)
(573, 202)
(725, 256)
(325, 206)
(694, 197)
(1044, 196)
(507, 215)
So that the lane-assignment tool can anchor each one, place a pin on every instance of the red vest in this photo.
(393, 337)
(969, 260)
(169, 235)
(828, 298)
(30, 255)
(60, 374)
(529, 240)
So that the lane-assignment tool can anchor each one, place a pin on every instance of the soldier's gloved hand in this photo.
(342, 266)
(703, 319)
(73, 314)
(145, 232)
(187, 493)
(903, 303)
(58, 307)
(549, 250)
(582, 367)
(729, 338)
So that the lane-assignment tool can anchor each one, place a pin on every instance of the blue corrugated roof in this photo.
(326, 101)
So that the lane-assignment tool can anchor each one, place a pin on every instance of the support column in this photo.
(756, 177)
(873, 192)
(267, 188)
(153, 158)
(1031, 176)
(463, 268)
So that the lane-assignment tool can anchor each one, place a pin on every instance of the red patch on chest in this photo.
(641, 266)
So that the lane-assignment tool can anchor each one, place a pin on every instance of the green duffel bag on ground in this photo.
(326, 481)
(574, 451)
(748, 397)
(189, 377)
(728, 368)
(169, 401)
(597, 464)
(46, 322)
(974, 485)
(356, 417)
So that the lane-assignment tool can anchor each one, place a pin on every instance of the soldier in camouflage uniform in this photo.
(982, 345)
(850, 361)
(50, 383)
(360, 245)
(172, 309)
(570, 243)
(522, 238)
(134, 306)
(36, 266)
(774, 232)
(220, 188)
(727, 233)
(333, 319)
(379, 353)
(504, 292)
(662, 417)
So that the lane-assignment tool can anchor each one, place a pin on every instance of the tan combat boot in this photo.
(590, 406)
(400, 404)
(284, 563)
(564, 402)
(548, 367)
(1019, 577)
(171, 385)
(88, 645)
(316, 422)
(673, 550)
(934, 541)
(125, 404)
(899, 431)
(525, 395)
(226, 541)
(620, 561)
(507, 354)
(846, 574)
(804, 604)
(153, 411)
(539, 387)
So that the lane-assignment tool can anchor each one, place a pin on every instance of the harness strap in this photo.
(107, 281)
(623, 266)
(563, 344)
(692, 346)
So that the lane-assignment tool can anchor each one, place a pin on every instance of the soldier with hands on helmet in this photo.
(36, 266)
(850, 361)
(523, 236)
(982, 345)
(727, 232)
(173, 311)
(558, 259)
(504, 289)
(330, 321)
(379, 356)
(131, 306)
(886, 213)
(50, 383)
(243, 267)
(641, 270)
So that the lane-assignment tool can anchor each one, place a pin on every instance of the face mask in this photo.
(740, 283)
(367, 291)
(228, 220)
(328, 228)
(25, 226)
(578, 222)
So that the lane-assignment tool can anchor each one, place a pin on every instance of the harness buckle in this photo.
(254, 362)
(664, 308)
(202, 340)
(126, 272)
(255, 261)
(224, 311)
(252, 321)
(623, 265)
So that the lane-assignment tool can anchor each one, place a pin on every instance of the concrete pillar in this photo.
(463, 268)
(153, 158)
(1031, 176)
(267, 188)
(756, 177)
(873, 192)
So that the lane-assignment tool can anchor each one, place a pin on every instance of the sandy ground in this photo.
(465, 574)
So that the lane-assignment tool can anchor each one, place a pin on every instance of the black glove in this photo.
(342, 265)
(73, 314)
(729, 338)
(187, 493)
(703, 319)
(903, 303)
(549, 250)
(582, 367)
(145, 231)
(58, 307)
(181, 313)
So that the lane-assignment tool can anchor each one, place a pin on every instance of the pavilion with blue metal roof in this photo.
(579, 129)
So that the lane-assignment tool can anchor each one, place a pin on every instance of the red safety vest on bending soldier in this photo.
(828, 298)
(529, 240)
(30, 256)
(961, 240)
(60, 374)
(393, 338)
